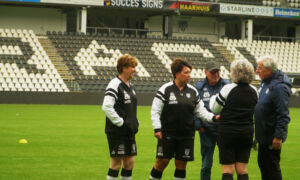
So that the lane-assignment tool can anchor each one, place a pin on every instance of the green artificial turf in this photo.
(68, 142)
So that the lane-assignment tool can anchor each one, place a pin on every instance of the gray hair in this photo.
(268, 62)
(242, 71)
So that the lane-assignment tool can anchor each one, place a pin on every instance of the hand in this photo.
(217, 117)
(128, 128)
(201, 130)
(276, 144)
(158, 134)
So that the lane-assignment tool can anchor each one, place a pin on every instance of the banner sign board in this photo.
(289, 13)
(22, 0)
(246, 10)
(195, 6)
(154, 4)
(75, 2)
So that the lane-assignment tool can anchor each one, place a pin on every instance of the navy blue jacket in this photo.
(206, 92)
(272, 110)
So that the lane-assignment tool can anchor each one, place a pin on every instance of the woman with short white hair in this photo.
(236, 103)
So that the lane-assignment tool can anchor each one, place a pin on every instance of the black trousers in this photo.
(268, 162)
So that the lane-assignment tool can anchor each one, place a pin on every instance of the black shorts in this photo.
(182, 148)
(121, 146)
(234, 147)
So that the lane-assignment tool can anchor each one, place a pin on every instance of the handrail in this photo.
(109, 30)
(276, 38)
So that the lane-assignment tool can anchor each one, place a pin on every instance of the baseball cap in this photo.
(211, 65)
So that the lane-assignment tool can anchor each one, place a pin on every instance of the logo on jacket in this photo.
(206, 96)
(172, 98)
(188, 95)
(187, 153)
(127, 99)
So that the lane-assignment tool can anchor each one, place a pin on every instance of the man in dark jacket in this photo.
(208, 87)
(271, 117)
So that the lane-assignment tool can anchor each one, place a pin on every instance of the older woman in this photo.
(236, 103)
(172, 114)
(120, 106)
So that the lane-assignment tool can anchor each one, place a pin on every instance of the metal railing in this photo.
(122, 31)
(276, 38)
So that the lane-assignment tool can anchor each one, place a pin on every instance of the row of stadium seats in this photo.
(287, 54)
(294, 3)
(97, 57)
(25, 65)
(272, 3)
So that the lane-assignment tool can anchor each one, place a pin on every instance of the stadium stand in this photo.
(293, 3)
(287, 53)
(92, 59)
(27, 64)
(24, 65)
(272, 3)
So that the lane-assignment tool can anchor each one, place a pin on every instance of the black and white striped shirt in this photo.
(173, 110)
(120, 108)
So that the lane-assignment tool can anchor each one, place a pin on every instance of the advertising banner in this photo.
(155, 4)
(21, 0)
(246, 10)
(289, 13)
(75, 2)
(194, 6)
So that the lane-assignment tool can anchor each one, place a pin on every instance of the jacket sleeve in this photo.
(281, 101)
(156, 110)
(218, 101)
(198, 123)
(215, 104)
(108, 108)
(201, 112)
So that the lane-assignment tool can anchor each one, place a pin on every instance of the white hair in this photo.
(242, 71)
(268, 62)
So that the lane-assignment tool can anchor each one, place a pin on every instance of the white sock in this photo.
(153, 178)
(126, 178)
(111, 178)
(177, 178)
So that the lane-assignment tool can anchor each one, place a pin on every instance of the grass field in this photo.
(68, 142)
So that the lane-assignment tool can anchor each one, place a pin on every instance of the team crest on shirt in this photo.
(172, 99)
(206, 96)
(187, 153)
(127, 99)
(188, 95)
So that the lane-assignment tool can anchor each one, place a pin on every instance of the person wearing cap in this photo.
(208, 87)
